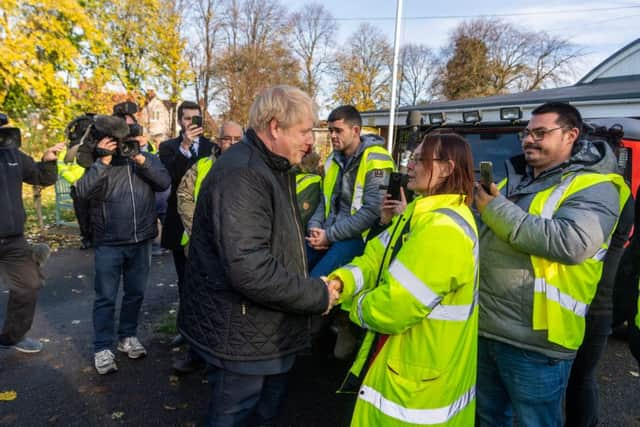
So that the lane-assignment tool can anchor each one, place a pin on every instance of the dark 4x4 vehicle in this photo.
(499, 141)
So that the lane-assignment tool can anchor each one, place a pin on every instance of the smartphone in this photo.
(395, 183)
(486, 175)
(196, 120)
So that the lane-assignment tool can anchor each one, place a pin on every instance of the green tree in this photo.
(174, 72)
(131, 31)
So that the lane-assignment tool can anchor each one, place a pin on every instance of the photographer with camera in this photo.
(178, 155)
(127, 111)
(120, 186)
(17, 261)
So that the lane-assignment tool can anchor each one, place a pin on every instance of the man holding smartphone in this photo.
(544, 235)
(178, 155)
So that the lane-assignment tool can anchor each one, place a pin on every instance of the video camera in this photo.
(9, 137)
(85, 132)
(130, 146)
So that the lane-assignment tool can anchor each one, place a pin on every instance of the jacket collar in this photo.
(274, 161)
(438, 201)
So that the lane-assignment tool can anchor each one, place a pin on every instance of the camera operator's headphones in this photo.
(127, 108)
(76, 132)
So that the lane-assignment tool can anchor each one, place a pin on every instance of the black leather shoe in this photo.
(188, 364)
(177, 341)
(85, 243)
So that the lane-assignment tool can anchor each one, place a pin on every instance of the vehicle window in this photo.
(494, 147)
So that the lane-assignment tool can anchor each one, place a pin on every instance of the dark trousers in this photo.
(81, 210)
(132, 262)
(581, 400)
(239, 400)
(24, 279)
(634, 342)
(180, 262)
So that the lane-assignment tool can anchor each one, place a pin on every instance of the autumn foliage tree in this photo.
(41, 43)
(466, 74)
(490, 57)
(255, 55)
(312, 29)
(363, 69)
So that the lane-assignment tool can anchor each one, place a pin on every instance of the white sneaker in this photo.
(105, 362)
(132, 347)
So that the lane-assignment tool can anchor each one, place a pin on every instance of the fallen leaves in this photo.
(173, 407)
(8, 395)
(174, 380)
(117, 415)
(634, 374)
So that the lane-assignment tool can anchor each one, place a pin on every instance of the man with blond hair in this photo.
(247, 297)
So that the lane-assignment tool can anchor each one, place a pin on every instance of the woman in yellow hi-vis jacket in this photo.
(415, 291)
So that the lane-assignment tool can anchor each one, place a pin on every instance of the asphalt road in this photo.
(59, 386)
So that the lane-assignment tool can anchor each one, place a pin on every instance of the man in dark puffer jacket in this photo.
(121, 193)
(16, 260)
(247, 297)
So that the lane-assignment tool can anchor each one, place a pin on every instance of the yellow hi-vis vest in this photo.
(374, 157)
(562, 293)
(203, 166)
(71, 172)
(308, 193)
(425, 299)
(305, 180)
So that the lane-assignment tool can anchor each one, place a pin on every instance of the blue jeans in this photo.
(239, 400)
(528, 383)
(132, 262)
(321, 263)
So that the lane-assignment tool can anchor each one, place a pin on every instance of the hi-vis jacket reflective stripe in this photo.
(425, 299)
(563, 292)
(203, 166)
(304, 180)
(374, 157)
(308, 193)
(71, 172)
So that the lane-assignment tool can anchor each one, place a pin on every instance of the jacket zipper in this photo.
(300, 232)
(133, 201)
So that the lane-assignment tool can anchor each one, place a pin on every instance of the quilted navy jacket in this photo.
(246, 295)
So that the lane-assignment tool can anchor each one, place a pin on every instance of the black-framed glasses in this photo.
(537, 134)
(418, 158)
(227, 138)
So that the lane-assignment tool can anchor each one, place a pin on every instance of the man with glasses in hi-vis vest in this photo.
(544, 234)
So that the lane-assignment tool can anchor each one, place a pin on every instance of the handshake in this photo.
(334, 286)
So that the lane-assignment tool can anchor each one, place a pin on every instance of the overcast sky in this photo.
(599, 28)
